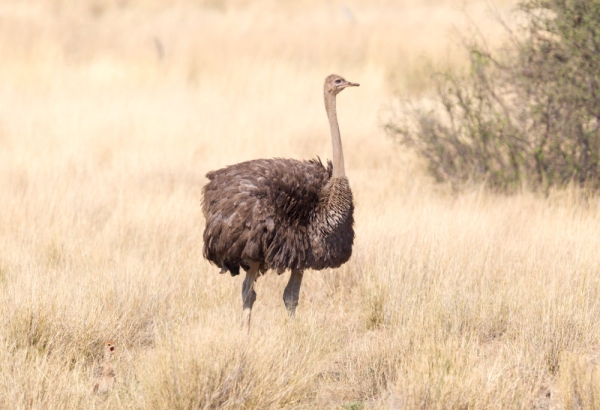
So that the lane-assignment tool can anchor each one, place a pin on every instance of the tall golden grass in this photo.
(111, 112)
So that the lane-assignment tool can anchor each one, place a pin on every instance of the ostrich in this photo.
(281, 214)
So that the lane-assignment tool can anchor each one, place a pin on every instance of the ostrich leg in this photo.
(292, 292)
(248, 294)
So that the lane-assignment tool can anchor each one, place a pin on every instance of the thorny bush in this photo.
(526, 114)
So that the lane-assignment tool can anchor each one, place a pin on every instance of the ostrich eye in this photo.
(338, 81)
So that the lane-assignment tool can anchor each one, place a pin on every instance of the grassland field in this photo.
(112, 112)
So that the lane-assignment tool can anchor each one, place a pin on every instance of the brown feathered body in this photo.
(280, 213)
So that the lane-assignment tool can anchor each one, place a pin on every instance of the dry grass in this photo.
(112, 112)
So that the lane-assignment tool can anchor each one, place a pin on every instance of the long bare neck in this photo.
(336, 141)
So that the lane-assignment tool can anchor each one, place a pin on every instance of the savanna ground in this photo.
(111, 112)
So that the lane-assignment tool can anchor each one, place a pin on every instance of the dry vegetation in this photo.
(112, 112)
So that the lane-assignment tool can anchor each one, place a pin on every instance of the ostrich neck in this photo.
(336, 141)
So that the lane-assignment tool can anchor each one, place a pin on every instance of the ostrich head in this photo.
(334, 84)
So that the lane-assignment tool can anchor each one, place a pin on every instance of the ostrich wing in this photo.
(259, 211)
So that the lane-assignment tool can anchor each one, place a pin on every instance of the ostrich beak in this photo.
(349, 84)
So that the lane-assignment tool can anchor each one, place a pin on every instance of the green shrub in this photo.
(526, 114)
